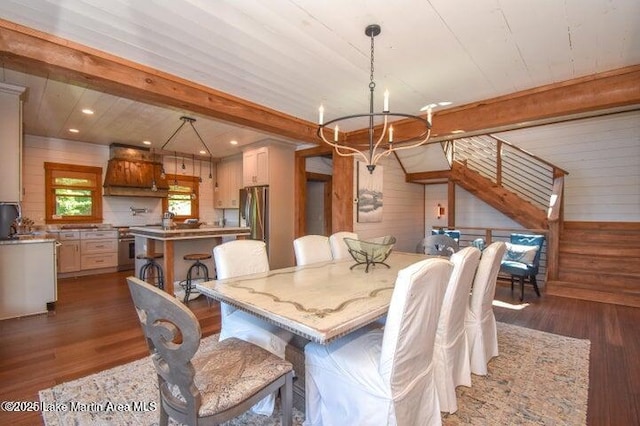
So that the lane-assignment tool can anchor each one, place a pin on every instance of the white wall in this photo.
(116, 210)
(601, 155)
(403, 209)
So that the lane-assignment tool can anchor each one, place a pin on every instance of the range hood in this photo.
(131, 172)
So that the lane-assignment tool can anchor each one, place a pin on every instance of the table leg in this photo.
(168, 267)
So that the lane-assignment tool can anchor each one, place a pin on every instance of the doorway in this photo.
(318, 204)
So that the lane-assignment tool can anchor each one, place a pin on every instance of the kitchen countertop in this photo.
(159, 233)
(28, 239)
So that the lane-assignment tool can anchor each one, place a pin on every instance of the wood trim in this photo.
(50, 201)
(36, 52)
(300, 195)
(610, 226)
(527, 108)
(436, 174)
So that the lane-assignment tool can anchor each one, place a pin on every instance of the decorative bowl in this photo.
(187, 225)
(370, 252)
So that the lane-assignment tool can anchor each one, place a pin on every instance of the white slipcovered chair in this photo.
(383, 377)
(312, 249)
(480, 323)
(243, 257)
(451, 353)
(339, 248)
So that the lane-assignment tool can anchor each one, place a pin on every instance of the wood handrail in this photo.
(516, 148)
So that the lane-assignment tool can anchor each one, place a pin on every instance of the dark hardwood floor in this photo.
(95, 327)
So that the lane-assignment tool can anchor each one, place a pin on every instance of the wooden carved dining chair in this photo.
(243, 257)
(438, 245)
(204, 386)
(376, 376)
(312, 249)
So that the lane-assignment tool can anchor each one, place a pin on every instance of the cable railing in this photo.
(522, 173)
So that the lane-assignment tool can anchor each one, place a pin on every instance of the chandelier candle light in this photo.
(385, 144)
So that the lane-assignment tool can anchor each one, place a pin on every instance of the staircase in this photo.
(585, 260)
(522, 211)
(600, 262)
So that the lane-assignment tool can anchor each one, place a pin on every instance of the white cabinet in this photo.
(99, 249)
(87, 250)
(27, 278)
(69, 251)
(229, 178)
(255, 167)
(11, 137)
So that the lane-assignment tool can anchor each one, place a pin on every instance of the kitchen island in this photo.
(174, 243)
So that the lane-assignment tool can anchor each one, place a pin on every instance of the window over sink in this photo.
(73, 193)
(183, 196)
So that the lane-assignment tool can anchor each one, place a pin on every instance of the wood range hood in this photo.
(131, 172)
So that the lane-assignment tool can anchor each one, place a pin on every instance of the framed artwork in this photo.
(369, 194)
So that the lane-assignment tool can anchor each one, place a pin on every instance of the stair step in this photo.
(585, 292)
(602, 279)
(613, 250)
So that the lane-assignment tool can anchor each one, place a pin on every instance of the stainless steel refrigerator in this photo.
(254, 211)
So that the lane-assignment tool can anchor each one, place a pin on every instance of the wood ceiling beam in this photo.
(38, 53)
(597, 92)
(35, 52)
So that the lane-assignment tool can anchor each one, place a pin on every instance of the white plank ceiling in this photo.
(293, 55)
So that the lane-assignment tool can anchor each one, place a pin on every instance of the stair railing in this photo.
(530, 177)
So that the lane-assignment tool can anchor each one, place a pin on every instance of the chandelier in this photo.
(185, 120)
(382, 144)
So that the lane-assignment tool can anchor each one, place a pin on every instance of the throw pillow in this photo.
(520, 253)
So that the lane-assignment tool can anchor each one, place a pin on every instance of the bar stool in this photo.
(152, 269)
(196, 268)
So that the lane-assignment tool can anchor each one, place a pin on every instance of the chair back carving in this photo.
(173, 336)
(438, 245)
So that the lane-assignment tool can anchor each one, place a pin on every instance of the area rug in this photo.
(538, 379)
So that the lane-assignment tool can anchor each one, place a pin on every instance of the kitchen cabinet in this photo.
(98, 249)
(255, 167)
(11, 137)
(69, 251)
(229, 178)
(272, 164)
(27, 277)
(82, 251)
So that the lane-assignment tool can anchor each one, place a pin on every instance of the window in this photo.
(183, 197)
(73, 193)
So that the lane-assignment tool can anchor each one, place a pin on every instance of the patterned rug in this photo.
(538, 379)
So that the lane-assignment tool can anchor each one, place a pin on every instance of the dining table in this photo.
(317, 302)
(320, 301)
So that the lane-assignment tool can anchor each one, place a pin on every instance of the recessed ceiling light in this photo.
(233, 142)
(445, 103)
(202, 151)
(457, 131)
(74, 130)
(146, 142)
(87, 111)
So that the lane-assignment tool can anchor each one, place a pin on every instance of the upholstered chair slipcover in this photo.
(339, 248)
(210, 385)
(243, 257)
(480, 323)
(312, 249)
(383, 377)
(451, 353)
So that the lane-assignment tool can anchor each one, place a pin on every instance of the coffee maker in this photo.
(9, 212)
